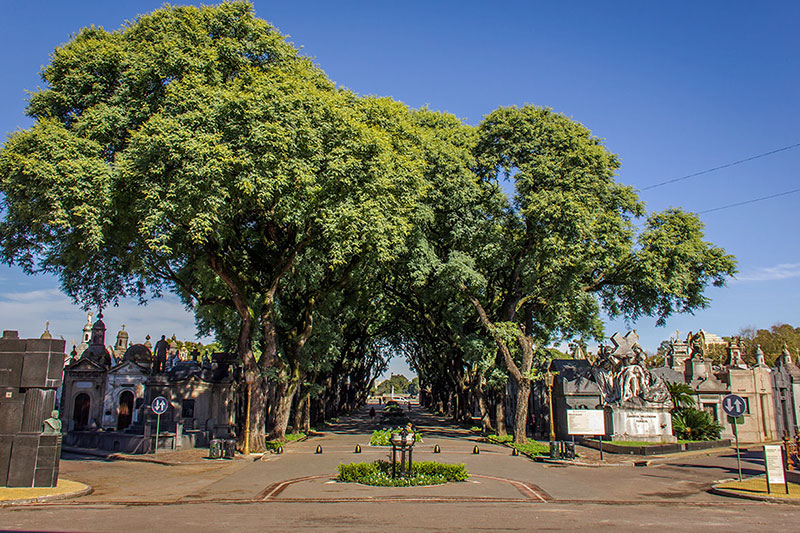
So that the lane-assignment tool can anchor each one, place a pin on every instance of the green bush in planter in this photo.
(379, 474)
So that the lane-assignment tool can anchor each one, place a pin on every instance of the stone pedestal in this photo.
(646, 424)
(30, 374)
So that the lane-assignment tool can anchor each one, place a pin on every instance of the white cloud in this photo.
(27, 313)
(777, 272)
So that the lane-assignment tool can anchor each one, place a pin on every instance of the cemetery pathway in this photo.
(298, 489)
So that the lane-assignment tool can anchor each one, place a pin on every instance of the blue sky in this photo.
(673, 88)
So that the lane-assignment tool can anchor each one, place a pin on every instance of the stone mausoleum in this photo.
(635, 400)
(107, 392)
(686, 362)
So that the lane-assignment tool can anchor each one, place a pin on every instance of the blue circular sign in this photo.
(734, 405)
(159, 405)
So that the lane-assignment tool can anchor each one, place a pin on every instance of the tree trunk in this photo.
(302, 416)
(284, 395)
(486, 422)
(521, 413)
(500, 410)
(258, 415)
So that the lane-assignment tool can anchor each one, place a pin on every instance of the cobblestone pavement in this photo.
(297, 489)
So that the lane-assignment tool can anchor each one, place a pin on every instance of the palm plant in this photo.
(693, 424)
(681, 395)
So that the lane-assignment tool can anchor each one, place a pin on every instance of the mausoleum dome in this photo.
(138, 353)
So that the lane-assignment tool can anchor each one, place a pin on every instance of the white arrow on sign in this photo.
(734, 405)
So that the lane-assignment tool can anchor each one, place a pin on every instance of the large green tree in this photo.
(570, 245)
(194, 150)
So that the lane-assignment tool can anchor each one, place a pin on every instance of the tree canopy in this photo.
(314, 230)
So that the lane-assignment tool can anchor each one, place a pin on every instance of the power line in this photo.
(720, 167)
(749, 201)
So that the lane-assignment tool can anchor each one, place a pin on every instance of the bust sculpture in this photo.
(52, 425)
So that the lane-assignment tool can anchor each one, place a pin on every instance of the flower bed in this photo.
(379, 474)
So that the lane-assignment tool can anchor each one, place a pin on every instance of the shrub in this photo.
(500, 439)
(383, 437)
(693, 424)
(289, 437)
(379, 474)
(533, 447)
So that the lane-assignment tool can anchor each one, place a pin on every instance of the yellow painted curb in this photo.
(63, 490)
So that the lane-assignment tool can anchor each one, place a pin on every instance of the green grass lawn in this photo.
(634, 443)
(531, 447)
(290, 437)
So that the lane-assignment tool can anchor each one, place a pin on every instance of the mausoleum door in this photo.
(125, 409)
(80, 411)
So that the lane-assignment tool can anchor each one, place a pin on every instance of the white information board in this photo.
(586, 422)
(773, 458)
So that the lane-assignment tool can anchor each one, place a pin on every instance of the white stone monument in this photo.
(636, 402)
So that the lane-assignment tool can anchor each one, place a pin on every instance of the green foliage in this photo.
(771, 340)
(693, 424)
(634, 443)
(399, 382)
(383, 437)
(196, 151)
(681, 394)
(379, 474)
(289, 437)
(532, 448)
(499, 439)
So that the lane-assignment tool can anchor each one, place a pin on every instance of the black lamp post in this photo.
(403, 442)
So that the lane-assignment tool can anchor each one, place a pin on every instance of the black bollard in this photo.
(514, 452)
(358, 448)
(436, 449)
(475, 450)
(279, 450)
(319, 448)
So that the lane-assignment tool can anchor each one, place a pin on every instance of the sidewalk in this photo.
(63, 490)
(189, 456)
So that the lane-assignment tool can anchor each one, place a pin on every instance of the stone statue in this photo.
(623, 378)
(697, 344)
(52, 425)
(160, 360)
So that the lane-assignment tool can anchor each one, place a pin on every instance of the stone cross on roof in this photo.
(623, 345)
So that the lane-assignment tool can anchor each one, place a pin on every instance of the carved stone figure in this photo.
(52, 425)
(623, 378)
(160, 355)
(697, 343)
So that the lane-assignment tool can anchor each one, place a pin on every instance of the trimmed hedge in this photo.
(379, 474)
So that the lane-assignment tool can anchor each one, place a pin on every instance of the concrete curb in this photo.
(49, 498)
(113, 456)
(637, 460)
(742, 496)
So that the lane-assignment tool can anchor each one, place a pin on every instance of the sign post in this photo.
(159, 407)
(589, 422)
(735, 407)
(774, 466)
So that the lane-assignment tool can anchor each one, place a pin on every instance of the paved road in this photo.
(297, 490)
